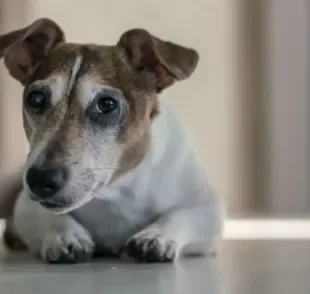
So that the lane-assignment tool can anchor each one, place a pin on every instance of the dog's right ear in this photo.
(165, 61)
(23, 50)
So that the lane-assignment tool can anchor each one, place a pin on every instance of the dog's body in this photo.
(165, 198)
(125, 177)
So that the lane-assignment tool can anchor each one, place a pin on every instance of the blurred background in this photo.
(247, 104)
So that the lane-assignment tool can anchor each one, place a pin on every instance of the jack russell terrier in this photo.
(111, 169)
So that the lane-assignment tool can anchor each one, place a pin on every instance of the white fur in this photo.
(74, 71)
(166, 196)
(89, 86)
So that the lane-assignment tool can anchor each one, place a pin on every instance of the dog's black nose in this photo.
(46, 182)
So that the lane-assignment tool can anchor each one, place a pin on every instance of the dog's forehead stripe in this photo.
(74, 70)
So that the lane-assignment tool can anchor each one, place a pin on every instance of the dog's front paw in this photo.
(68, 247)
(150, 246)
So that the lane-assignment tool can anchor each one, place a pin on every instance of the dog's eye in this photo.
(106, 108)
(106, 104)
(36, 101)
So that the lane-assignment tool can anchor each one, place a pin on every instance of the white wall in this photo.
(12, 139)
(287, 105)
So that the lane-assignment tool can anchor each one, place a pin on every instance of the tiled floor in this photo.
(252, 267)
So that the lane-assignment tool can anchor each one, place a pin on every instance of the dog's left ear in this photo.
(24, 49)
(165, 61)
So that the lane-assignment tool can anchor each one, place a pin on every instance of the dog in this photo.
(111, 169)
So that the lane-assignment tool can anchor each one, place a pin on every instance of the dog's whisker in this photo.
(105, 168)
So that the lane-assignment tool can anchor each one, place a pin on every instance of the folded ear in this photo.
(24, 49)
(166, 61)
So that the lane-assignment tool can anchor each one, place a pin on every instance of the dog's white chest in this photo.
(112, 221)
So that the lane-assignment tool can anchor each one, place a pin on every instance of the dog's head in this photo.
(87, 109)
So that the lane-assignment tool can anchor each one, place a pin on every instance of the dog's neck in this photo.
(168, 150)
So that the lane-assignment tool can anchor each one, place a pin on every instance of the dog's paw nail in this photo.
(151, 249)
(67, 249)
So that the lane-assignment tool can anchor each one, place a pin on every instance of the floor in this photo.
(243, 267)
